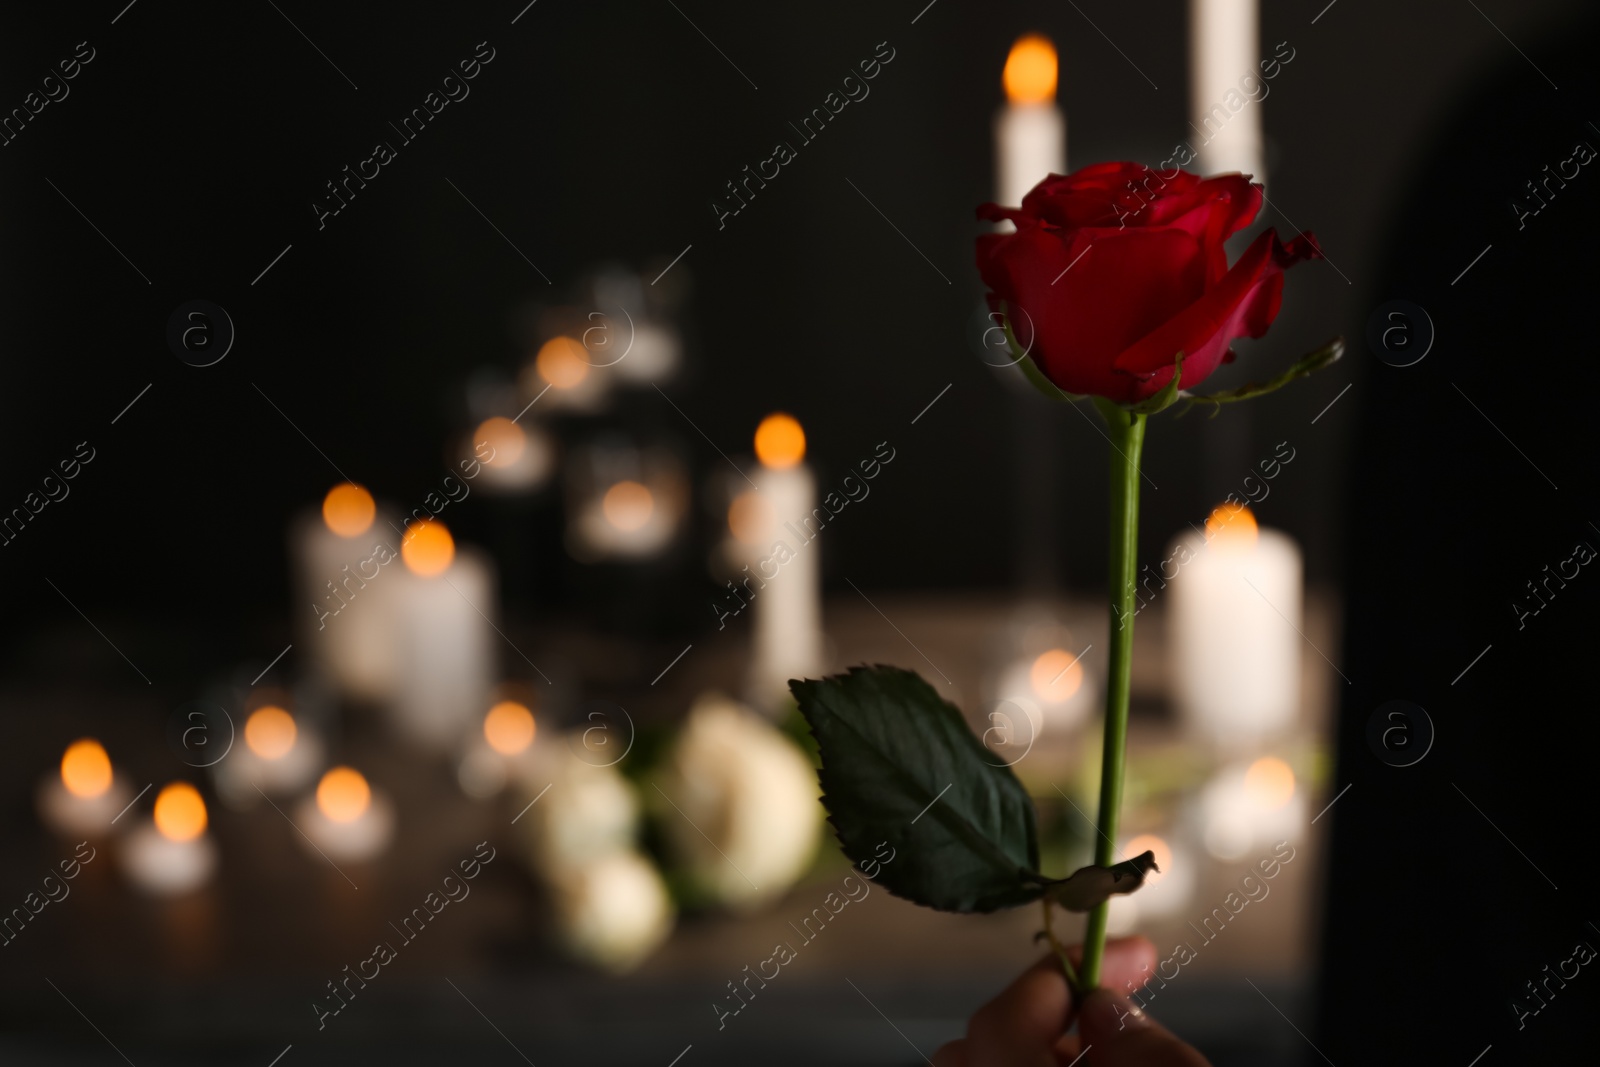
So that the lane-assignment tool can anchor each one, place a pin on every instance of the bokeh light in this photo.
(1030, 74)
(509, 727)
(86, 769)
(1270, 783)
(505, 438)
(780, 442)
(628, 506)
(348, 509)
(343, 794)
(1055, 675)
(428, 549)
(563, 362)
(270, 732)
(180, 812)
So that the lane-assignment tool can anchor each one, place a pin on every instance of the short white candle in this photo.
(82, 800)
(629, 520)
(1235, 628)
(519, 459)
(1224, 50)
(171, 854)
(1246, 806)
(346, 820)
(501, 753)
(1030, 132)
(785, 589)
(339, 589)
(278, 756)
(563, 375)
(440, 608)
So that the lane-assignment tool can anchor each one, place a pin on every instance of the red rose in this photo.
(1153, 279)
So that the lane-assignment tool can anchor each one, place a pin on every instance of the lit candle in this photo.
(346, 820)
(1246, 806)
(625, 503)
(1235, 628)
(439, 608)
(278, 756)
(1050, 690)
(501, 752)
(1223, 36)
(518, 458)
(1030, 132)
(342, 624)
(171, 854)
(786, 590)
(562, 374)
(83, 799)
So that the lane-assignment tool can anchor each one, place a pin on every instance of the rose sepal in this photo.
(1306, 365)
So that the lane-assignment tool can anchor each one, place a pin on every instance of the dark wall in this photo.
(197, 139)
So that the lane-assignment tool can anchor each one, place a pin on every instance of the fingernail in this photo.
(1106, 1011)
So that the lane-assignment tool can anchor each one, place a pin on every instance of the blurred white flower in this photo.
(612, 911)
(588, 811)
(736, 780)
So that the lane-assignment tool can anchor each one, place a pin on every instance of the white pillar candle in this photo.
(278, 756)
(1235, 628)
(171, 854)
(439, 608)
(343, 627)
(346, 819)
(1224, 46)
(1030, 132)
(82, 800)
(784, 586)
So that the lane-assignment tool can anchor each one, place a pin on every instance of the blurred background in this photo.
(535, 341)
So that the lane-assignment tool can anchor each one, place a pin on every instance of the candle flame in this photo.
(1232, 527)
(505, 439)
(270, 732)
(348, 509)
(1151, 843)
(428, 549)
(509, 727)
(628, 506)
(343, 794)
(563, 362)
(1030, 74)
(780, 442)
(86, 769)
(1270, 783)
(180, 812)
(1056, 675)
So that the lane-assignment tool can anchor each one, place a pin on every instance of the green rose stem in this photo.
(1127, 441)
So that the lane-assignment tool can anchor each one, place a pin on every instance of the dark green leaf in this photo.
(899, 764)
(1088, 886)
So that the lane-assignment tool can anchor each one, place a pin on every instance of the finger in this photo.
(1115, 1032)
(953, 1054)
(1127, 959)
(1022, 1024)
(1069, 1049)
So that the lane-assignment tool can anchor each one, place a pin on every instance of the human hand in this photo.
(1026, 1026)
